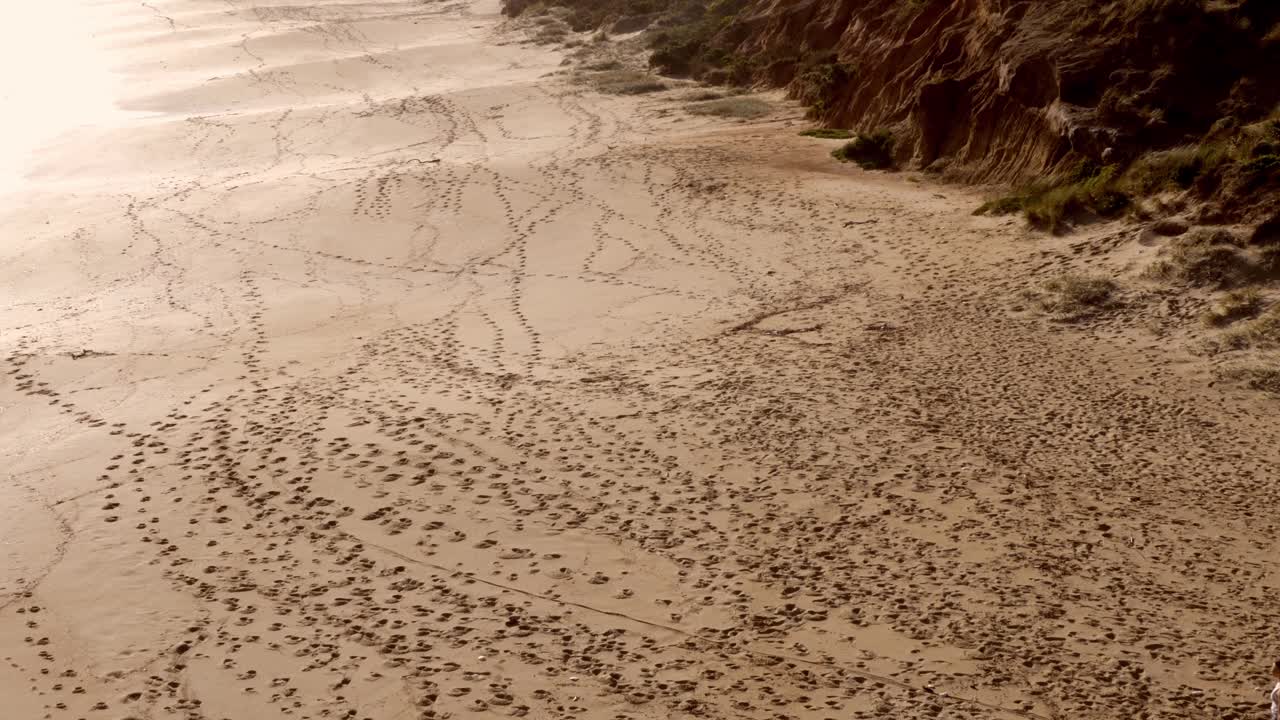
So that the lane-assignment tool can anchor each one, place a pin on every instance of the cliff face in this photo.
(1005, 90)
(998, 89)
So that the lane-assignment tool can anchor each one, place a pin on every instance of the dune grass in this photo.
(1234, 306)
(1260, 333)
(1255, 377)
(744, 108)
(827, 133)
(1074, 295)
(1241, 160)
(626, 82)
(1055, 203)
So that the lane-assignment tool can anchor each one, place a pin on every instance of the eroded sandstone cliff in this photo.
(1006, 90)
(997, 89)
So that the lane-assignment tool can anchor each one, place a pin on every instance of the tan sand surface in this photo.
(366, 366)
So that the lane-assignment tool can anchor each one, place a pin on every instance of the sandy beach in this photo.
(360, 364)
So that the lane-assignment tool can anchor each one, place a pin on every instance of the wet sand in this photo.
(373, 368)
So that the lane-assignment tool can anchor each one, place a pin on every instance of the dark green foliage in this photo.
(827, 134)
(872, 151)
(1260, 170)
(685, 47)
(818, 80)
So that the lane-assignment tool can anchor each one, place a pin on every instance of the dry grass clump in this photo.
(1174, 169)
(1260, 333)
(732, 107)
(1075, 295)
(1056, 203)
(551, 30)
(626, 82)
(1208, 257)
(703, 95)
(1237, 162)
(1200, 265)
(1235, 305)
(1266, 379)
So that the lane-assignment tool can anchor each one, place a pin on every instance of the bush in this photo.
(1260, 170)
(1178, 168)
(1089, 195)
(686, 48)
(818, 80)
(1074, 295)
(827, 134)
(1236, 305)
(703, 95)
(1006, 205)
(626, 82)
(551, 33)
(1054, 204)
(1265, 379)
(1215, 265)
(870, 151)
(1203, 257)
(1260, 333)
(735, 107)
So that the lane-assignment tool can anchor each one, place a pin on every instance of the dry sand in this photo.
(373, 370)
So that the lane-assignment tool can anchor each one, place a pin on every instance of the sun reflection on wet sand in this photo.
(54, 77)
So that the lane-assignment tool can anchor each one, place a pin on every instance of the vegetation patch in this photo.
(1235, 305)
(1214, 257)
(1055, 204)
(1202, 258)
(626, 82)
(872, 151)
(827, 133)
(1074, 295)
(703, 95)
(1266, 379)
(733, 107)
(1260, 333)
(818, 80)
(550, 34)
(685, 45)
(1234, 164)
(1175, 169)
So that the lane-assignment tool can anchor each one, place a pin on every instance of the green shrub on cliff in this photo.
(872, 151)
(817, 81)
